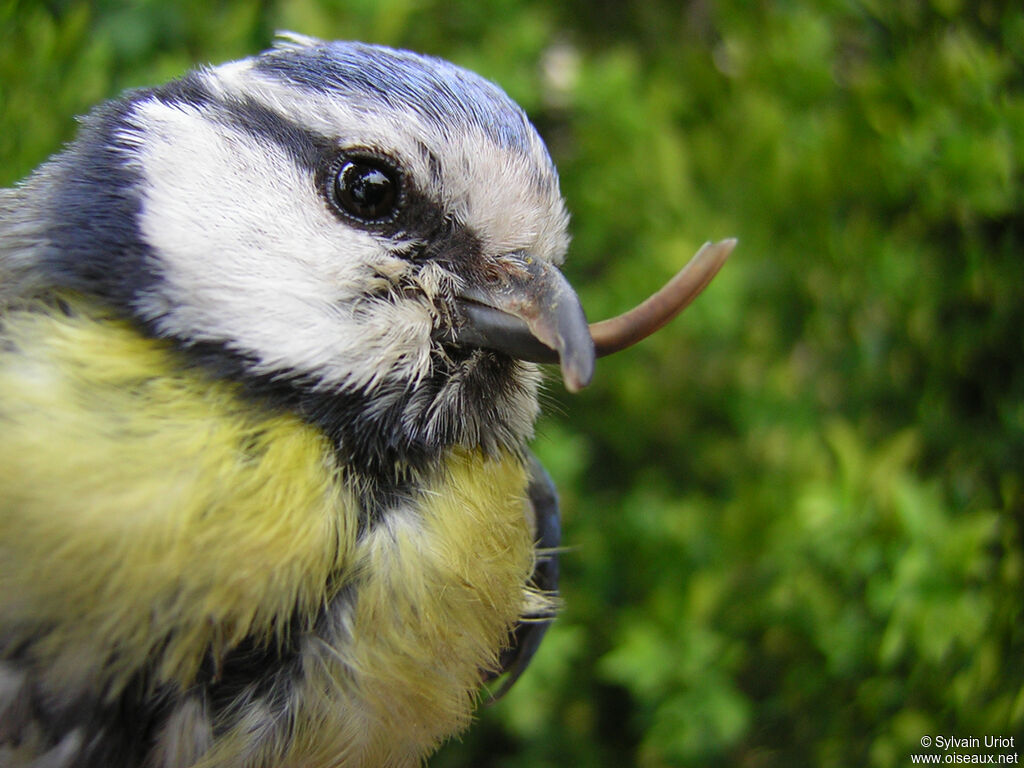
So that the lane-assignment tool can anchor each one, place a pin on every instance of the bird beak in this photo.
(533, 314)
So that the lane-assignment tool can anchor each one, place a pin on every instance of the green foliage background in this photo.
(794, 517)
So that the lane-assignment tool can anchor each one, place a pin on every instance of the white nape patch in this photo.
(234, 69)
(284, 40)
(250, 256)
(509, 200)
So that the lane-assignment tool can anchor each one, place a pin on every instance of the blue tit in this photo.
(269, 339)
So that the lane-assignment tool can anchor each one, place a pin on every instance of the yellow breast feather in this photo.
(441, 588)
(154, 517)
(146, 513)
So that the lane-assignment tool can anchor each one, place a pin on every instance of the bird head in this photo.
(335, 220)
(368, 236)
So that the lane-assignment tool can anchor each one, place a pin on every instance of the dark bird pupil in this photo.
(366, 190)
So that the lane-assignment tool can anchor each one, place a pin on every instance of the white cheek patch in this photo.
(250, 256)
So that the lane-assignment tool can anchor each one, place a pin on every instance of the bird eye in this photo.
(367, 189)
